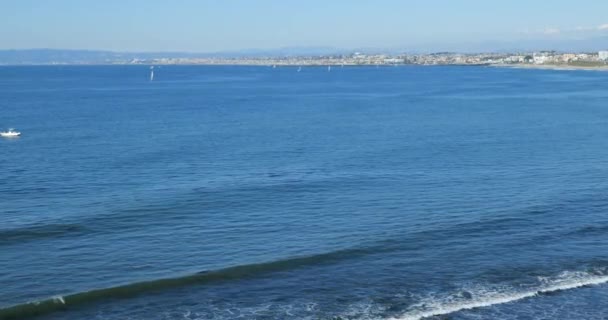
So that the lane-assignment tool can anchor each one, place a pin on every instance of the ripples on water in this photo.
(251, 192)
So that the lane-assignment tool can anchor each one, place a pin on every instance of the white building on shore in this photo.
(603, 55)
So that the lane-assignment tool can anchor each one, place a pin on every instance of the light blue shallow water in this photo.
(260, 193)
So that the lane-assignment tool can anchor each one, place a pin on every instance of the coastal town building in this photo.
(542, 58)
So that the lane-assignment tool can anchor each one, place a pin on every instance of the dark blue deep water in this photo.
(260, 193)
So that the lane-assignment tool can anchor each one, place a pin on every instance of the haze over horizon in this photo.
(213, 26)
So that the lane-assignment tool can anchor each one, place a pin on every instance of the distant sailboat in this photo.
(152, 73)
(274, 66)
(328, 68)
(299, 69)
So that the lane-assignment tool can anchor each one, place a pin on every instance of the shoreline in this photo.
(337, 65)
(551, 67)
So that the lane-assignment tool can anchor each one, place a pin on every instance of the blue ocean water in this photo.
(226, 192)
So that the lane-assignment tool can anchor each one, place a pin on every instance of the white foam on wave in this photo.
(59, 299)
(486, 298)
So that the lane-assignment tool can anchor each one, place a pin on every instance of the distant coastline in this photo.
(537, 60)
(562, 67)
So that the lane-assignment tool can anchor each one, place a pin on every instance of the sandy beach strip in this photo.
(551, 67)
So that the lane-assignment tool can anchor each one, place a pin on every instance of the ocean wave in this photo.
(487, 297)
(57, 303)
(590, 230)
(39, 231)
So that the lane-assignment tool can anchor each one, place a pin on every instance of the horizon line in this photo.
(376, 51)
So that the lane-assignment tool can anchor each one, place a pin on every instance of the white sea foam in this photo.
(486, 298)
(59, 299)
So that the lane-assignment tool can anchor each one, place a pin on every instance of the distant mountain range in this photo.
(60, 56)
(47, 56)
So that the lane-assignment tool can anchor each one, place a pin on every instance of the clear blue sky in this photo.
(218, 25)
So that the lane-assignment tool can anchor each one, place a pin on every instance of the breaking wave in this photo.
(58, 303)
(486, 297)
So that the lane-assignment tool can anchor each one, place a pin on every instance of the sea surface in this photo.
(227, 192)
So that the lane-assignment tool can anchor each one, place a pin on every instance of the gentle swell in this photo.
(36, 232)
(599, 230)
(38, 308)
(566, 281)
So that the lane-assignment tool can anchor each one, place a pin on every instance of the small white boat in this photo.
(11, 133)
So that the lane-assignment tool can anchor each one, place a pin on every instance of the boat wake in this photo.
(484, 297)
